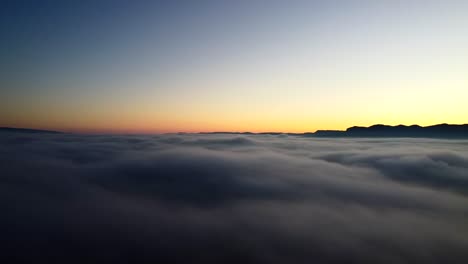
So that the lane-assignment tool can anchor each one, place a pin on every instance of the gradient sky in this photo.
(168, 66)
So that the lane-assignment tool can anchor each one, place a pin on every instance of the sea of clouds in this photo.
(68, 198)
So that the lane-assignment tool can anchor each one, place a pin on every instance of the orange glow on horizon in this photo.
(193, 127)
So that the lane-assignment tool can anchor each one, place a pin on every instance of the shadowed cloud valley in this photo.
(232, 199)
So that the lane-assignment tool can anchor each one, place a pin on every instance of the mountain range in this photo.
(27, 130)
(434, 131)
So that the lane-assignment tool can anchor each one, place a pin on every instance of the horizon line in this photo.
(212, 131)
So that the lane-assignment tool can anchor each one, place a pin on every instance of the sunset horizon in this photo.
(154, 67)
(149, 132)
(234, 131)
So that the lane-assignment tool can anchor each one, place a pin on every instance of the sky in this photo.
(192, 66)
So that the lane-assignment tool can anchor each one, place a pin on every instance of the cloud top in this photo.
(233, 199)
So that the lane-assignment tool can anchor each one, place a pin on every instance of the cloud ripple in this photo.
(232, 199)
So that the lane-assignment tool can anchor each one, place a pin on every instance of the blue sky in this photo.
(232, 65)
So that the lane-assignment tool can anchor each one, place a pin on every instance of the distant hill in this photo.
(435, 131)
(27, 130)
(415, 131)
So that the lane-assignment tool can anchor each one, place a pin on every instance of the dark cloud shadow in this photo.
(232, 199)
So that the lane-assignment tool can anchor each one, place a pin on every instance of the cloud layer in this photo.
(233, 199)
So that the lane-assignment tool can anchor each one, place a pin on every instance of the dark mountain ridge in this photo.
(27, 130)
(379, 130)
(434, 131)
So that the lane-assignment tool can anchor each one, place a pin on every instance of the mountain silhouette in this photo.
(27, 130)
(414, 131)
(435, 131)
